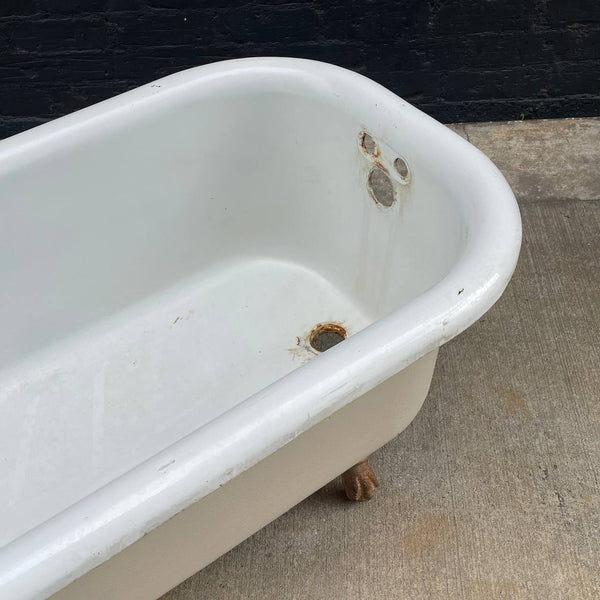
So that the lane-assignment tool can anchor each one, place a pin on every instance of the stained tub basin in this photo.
(169, 258)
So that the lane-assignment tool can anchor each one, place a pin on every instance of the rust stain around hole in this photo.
(326, 335)
(379, 164)
(369, 145)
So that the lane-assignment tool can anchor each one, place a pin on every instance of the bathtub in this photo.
(171, 261)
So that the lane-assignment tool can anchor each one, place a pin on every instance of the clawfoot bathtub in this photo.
(175, 262)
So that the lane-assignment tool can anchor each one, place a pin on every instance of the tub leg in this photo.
(360, 482)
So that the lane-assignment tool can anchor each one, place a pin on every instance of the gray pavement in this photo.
(494, 490)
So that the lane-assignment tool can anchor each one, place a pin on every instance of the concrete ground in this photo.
(493, 491)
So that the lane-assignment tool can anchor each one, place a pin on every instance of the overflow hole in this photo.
(368, 144)
(326, 335)
(402, 169)
(381, 187)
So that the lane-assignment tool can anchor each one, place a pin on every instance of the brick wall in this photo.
(467, 60)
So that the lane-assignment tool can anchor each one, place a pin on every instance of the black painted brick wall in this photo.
(459, 60)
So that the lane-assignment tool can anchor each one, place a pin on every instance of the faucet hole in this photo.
(402, 169)
(381, 187)
(368, 144)
(326, 335)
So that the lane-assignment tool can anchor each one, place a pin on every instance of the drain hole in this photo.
(368, 144)
(381, 187)
(327, 335)
(402, 168)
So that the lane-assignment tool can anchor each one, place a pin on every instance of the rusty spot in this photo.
(368, 145)
(379, 164)
(326, 335)
(305, 351)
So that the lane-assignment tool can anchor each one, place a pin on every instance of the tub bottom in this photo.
(195, 537)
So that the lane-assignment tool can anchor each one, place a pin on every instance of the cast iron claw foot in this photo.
(360, 482)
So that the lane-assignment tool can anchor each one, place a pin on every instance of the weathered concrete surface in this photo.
(543, 160)
(493, 491)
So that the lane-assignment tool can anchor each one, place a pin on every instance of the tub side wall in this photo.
(209, 528)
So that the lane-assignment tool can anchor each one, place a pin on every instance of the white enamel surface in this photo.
(162, 252)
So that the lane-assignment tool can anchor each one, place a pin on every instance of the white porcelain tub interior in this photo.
(165, 256)
(162, 272)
